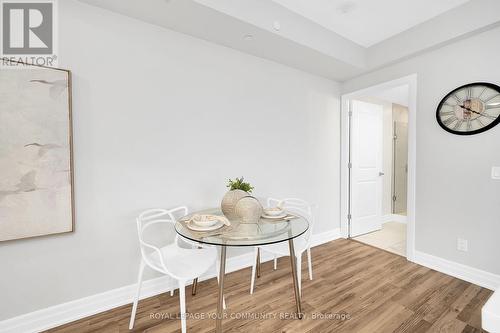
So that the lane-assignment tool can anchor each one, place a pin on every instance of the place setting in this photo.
(206, 222)
(277, 214)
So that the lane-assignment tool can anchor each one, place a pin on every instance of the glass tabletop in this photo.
(266, 231)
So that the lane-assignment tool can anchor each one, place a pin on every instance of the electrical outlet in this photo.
(495, 173)
(462, 245)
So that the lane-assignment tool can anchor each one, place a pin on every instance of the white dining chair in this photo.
(181, 264)
(301, 244)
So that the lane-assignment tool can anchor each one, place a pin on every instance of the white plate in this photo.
(204, 220)
(275, 211)
(275, 217)
(195, 227)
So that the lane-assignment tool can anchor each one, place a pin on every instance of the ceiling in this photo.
(330, 38)
(368, 22)
(398, 95)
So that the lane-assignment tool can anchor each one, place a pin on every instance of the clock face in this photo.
(470, 109)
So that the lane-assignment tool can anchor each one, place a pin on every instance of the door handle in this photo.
(381, 174)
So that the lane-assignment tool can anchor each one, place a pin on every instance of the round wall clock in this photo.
(470, 109)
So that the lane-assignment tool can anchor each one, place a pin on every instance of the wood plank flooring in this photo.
(356, 288)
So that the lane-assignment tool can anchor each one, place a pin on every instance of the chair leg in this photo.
(275, 262)
(309, 263)
(174, 282)
(137, 295)
(254, 268)
(194, 286)
(299, 272)
(182, 299)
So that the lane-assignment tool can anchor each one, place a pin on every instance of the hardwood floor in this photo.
(356, 288)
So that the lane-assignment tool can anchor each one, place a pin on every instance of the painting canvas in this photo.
(36, 187)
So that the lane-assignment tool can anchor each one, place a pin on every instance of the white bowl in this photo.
(274, 211)
(204, 220)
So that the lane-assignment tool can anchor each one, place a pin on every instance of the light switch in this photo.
(495, 173)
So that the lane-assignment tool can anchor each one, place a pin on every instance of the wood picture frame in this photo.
(36, 151)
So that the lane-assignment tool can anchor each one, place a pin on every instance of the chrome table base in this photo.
(220, 308)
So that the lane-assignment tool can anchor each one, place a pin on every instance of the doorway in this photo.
(378, 151)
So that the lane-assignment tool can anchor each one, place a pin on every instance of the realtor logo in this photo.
(28, 29)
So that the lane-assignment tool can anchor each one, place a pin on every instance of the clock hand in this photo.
(469, 109)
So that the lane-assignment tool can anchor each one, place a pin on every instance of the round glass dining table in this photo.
(239, 233)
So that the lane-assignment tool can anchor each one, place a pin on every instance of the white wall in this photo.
(400, 113)
(163, 119)
(455, 194)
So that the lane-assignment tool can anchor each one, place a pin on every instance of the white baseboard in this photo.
(325, 237)
(67, 312)
(394, 218)
(460, 271)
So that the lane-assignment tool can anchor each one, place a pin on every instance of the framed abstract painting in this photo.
(36, 164)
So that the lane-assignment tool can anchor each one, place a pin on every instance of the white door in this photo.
(366, 171)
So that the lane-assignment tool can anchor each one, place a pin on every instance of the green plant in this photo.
(239, 184)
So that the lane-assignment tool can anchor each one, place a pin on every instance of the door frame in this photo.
(411, 81)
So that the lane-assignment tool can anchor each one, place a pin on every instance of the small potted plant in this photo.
(238, 189)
